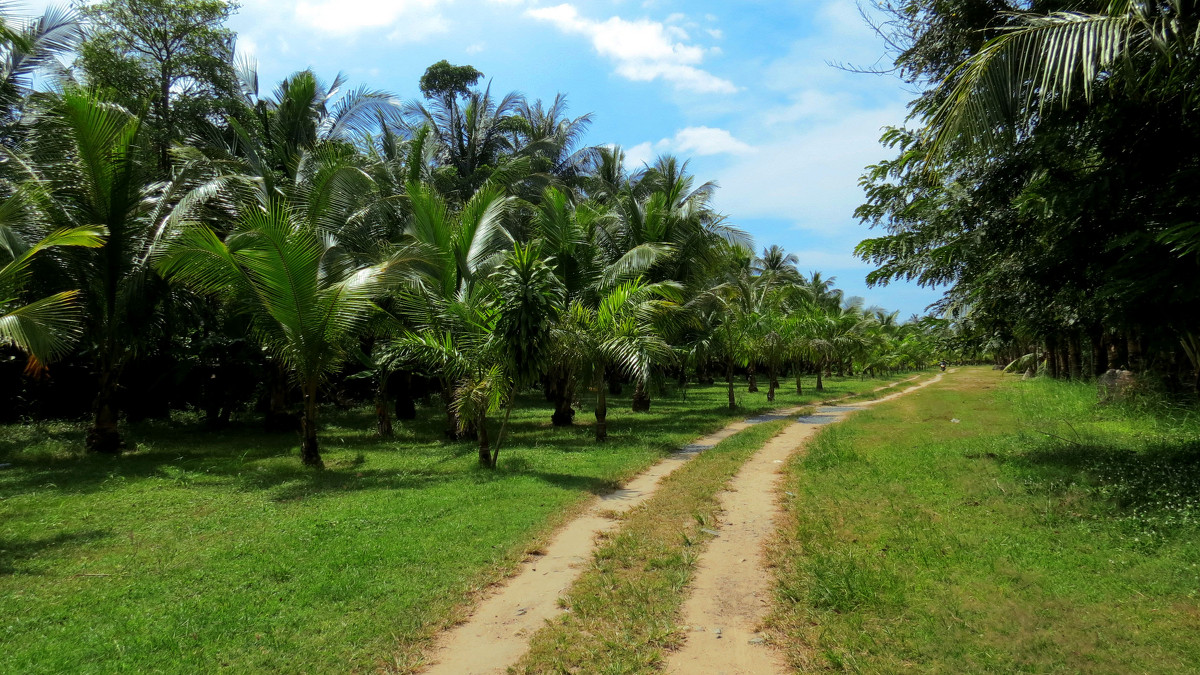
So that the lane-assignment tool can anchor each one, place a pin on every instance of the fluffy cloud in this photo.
(708, 141)
(643, 50)
(809, 177)
(690, 142)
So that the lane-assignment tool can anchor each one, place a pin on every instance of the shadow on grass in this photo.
(242, 454)
(1156, 486)
(15, 551)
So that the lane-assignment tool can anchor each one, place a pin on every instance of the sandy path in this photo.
(497, 633)
(731, 589)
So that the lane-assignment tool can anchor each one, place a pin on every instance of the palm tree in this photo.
(89, 150)
(778, 265)
(461, 247)
(473, 133)
(1042, 59)
(28, 50)
(528, 302)
(577, 243)
(619, 334)
(306, 312)
(47, 327)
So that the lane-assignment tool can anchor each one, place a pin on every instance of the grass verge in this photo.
(201, 550)
(623, 610)
(987, 524)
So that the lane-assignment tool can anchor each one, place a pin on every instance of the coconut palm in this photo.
(1045, 59)
(47, 327)
(473, 132)
(306, 312)
(27, 50)
(89, 151)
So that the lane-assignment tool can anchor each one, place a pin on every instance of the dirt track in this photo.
(730, 589)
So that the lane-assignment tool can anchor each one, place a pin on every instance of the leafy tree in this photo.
(177, 54)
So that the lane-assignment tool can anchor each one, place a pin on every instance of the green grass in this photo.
(203, 551)
(1039, 533)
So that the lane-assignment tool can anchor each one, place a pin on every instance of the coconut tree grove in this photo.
(177, 235)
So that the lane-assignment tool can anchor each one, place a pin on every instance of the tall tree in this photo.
(175, 55)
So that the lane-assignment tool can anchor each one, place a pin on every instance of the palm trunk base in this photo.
(564, 416)
(310, 453)
(104, 440)
(485, 449)
(641, 399)
(383, 420)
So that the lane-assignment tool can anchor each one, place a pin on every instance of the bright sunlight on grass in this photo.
(988, 524)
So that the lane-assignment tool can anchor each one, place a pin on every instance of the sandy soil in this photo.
(731, 589)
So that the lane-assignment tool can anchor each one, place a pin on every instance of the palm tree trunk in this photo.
(751, 378)
(1073, 357)
(772, 384)
(104, 436)
(383, 417)
(601, 406)
(486, 459)
(729, 381)
(310, 453)
(1099, 351)
(820, 382)
(406, 408)
(562, 393)
(799, 387)
(1051, 361)
(641, 397)
(512, 401)
(451, 416)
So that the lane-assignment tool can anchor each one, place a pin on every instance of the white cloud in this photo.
(412, 20)
(639, 155)
(708, 141)
(692, 141)
(643, 50)
(475, 48)
(809, 177)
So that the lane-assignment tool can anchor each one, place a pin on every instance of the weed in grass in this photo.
(847, 580)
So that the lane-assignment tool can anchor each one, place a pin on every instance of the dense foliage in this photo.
(1048, 178)
(174, 238)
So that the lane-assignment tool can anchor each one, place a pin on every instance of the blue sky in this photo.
(744, 88)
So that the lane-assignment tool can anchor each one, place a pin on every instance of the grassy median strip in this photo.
(623, 610)
(986, 524)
